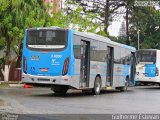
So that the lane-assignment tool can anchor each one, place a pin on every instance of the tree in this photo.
(147, 20)
(78, 20)
(16, 16)
(104, 10)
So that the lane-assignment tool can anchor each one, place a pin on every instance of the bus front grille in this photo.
(43, 79)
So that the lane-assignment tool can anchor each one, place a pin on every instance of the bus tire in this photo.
(87, 92)
(60, 90)
(137, 84)
(97, 86)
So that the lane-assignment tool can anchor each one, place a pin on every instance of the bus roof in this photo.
(148, 50)
(91, 36)
(103, 39)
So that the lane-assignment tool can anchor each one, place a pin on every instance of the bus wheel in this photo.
(97, 86)
(87, 92)
(60, 90)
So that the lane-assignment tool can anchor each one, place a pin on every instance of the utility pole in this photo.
(138, 38)
(127, 23)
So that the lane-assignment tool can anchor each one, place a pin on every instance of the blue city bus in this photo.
(147, 67)
(67, 59)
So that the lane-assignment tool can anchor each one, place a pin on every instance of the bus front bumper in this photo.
(47, 80)
(147, 79)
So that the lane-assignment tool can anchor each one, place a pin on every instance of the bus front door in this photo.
(132, 68)
(85, 64)
(110, 65)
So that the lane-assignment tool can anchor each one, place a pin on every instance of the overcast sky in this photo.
(114, 27)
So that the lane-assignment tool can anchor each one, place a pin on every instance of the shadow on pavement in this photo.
(56, 116)
(79, 93)
(148, 87)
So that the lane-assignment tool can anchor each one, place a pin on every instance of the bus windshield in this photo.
(146, 56)
(46, 39)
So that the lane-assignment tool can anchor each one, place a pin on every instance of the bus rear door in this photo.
(132, 68)
(85, 64)
(110, 65)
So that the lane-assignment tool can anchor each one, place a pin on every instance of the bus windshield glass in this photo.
(146, 56)
(46, 39)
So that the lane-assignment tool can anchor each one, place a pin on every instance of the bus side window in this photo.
(76, 47)
(102, 52)
(117, 55)
(128, 55)
(94, 51)
(123, 56)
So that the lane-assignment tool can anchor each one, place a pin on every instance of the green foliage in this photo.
(119, 39)
(59, 19)
(2, 43)
(82, 21)
(102, 33)
(104, 12)
(147, 20)
(2, 61)
(15, 17)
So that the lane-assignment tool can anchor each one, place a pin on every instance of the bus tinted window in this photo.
(98, 51)
(77, 47)
(146, 56)
(46, 39)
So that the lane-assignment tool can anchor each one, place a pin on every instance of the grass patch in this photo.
(4, 103)
(4, 85)
(10, 84)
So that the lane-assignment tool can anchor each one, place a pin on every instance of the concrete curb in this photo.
(16, 85)
(11, 84)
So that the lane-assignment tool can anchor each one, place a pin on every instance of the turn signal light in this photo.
(65, 67)
(157, 71)
(24, 64)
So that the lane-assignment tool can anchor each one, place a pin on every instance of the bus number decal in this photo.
(56, 56)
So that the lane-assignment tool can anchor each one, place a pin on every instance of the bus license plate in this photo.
(44, 70)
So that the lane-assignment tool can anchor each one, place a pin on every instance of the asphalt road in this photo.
(143, 99)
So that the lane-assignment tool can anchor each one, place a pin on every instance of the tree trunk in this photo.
(5, 72)
(18, 65)
(7, 52)
(127, 25)
(106, 21)
(6, 69)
